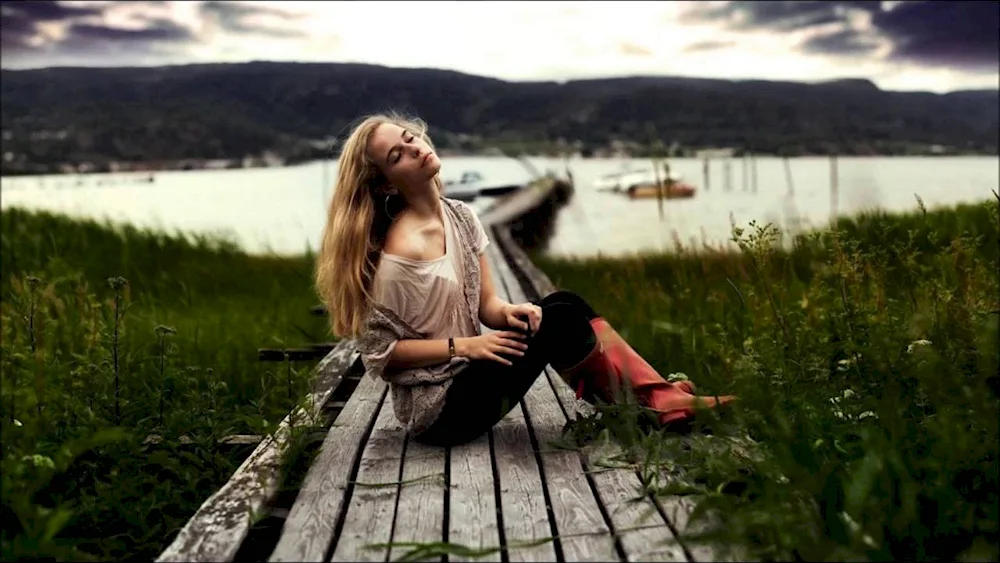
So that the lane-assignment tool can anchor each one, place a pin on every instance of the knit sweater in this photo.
(418, 394)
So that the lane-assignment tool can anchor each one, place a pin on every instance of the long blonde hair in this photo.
(356, 226)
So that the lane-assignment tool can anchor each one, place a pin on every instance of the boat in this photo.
(639, 184)
(674, 190)
(617, 181)
(472, 185)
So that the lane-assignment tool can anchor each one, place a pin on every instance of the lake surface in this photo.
(283, 210)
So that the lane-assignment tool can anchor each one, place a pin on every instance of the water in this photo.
(283, 210)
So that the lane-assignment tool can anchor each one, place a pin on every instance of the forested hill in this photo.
(232, 110)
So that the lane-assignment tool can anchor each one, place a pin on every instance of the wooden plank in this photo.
(420, 512)
(521, 202)
(641, 529)
(675, 508)
(372, 508)
(583, 533)
(220, 525)
(615, 488)
(309, 529)
(574, 506)
(304, 354)
(522, 501)
(541, 282)
(472, 506)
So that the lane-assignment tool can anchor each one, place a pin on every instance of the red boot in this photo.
(613, 364)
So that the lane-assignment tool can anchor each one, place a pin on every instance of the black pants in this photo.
(487, 390)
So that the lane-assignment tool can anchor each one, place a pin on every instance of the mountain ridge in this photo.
(230, 110)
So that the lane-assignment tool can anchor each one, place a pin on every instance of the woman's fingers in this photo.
(509, 334)
(502, 349)
(503, 361)
(512, 344)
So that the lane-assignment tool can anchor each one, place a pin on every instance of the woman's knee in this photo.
(564, 298)
(565, 333)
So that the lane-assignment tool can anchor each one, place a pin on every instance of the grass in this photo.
(111, 334)
(866, 360)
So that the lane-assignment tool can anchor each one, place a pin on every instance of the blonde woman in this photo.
(402, 270)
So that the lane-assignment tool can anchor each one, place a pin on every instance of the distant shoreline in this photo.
(193, 166)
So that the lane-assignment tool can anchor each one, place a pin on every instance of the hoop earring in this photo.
(386, 206)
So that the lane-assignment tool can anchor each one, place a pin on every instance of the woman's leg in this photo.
(614, 371)
(487, 390)
(585, 350)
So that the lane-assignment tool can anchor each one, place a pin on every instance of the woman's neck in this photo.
(426, 206)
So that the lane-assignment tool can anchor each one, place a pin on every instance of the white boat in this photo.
(623, 181)
(472, 185)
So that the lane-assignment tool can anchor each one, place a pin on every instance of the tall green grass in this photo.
(110, 335)
(866, 358)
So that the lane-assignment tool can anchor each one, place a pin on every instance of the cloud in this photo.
(250, 19)
(708, 45)
(69, 33)
(47, 10)
(157, 30)
(19, 21)
(782, 16)
(633, 50)
(922, 32)
(843, 42)
(955, 33)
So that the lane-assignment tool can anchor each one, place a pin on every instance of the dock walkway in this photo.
(372, 494)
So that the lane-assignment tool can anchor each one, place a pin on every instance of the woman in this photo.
(402, 270)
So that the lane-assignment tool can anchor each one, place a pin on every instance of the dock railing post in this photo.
(834, 189)
(788, 176)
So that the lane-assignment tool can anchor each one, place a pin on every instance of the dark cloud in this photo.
(157, 30)
(84, 37)
(19, 21)
(238, 18)
(776, 16)
(843, 42)
(926, 32)
(956, 33)
(710, 45)
(47, 10)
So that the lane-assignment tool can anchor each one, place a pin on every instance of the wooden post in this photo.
(744, 176)
(659, 187)
(788, 176)
(753, 172)
(704, 170)
(834, 188)
(728, 168)
(655, 147)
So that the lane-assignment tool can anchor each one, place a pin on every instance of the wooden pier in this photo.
(372, 494)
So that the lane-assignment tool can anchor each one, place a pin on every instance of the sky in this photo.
(924, 45)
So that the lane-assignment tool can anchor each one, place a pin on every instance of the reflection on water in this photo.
(283, 209)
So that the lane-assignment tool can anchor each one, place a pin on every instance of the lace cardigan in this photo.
(418, 394)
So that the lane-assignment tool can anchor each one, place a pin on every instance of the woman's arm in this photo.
(492, 309)
(417, 353)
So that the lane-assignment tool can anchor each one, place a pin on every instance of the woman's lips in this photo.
(426, 158)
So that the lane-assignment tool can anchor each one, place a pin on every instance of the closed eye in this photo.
(398, 153)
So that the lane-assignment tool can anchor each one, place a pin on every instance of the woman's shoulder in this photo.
(461, 209)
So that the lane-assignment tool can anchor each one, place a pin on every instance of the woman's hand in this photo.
(515, 316)
(488, 346)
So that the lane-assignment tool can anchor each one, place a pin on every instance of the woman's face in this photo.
(404, 159)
